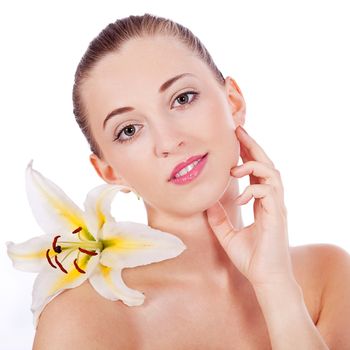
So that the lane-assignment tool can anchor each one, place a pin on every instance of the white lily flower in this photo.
(85, 245)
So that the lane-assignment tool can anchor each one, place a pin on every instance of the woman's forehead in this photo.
(151, 60)
(133, 76)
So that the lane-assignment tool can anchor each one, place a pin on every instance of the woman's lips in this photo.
(192, 174)
(182, 165)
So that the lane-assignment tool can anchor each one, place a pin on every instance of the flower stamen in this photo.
(77, 266)
(56, 248)
(49, 259)
(69, 252)
(88, 252)
(71, 247)
(77, 230)
(60, 265)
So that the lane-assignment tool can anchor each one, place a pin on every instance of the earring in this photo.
(137, 195)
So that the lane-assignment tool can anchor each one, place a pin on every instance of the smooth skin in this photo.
(322, 271)
(234, 287)
(260, 251)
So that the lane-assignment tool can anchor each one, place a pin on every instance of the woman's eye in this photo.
(129, 131)
(183, 98)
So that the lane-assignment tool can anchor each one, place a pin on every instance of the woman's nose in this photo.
(167, 141)
(166, 153)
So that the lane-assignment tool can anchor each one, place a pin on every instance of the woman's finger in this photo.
(252, 148)
(221, 225)
(267, 196)
(264, 172)
(260, 173)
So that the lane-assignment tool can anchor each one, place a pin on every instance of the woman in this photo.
(149, 97)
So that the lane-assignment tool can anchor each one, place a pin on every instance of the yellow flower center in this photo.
(62, 249)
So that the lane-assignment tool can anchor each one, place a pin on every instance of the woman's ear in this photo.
(106, 172)
(236, 101)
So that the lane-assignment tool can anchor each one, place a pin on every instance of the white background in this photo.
(290, 59)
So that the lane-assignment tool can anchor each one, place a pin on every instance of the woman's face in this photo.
(191, 116)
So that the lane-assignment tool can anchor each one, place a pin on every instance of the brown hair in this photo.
(112, 37)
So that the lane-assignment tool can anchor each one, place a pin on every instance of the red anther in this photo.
(88, 252)
(56, 248)
(77, 229)
(77, 267)
(60, 265)
(49, 259)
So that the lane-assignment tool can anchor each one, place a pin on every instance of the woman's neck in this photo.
(204, 257)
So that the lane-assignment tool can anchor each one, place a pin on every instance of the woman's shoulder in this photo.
(327, 268)
(323, 272)
(80, 317)
(317, 261)
(75, 318)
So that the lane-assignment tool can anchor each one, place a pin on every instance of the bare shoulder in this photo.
(320, 249)
(317, 262)
(323, 271)
(81, 318)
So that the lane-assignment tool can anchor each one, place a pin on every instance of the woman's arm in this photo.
(261, 250)
(334, 319)
(287, 318)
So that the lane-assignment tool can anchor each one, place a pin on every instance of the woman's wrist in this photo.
(287, 319)
(279, 300)
(267, 293)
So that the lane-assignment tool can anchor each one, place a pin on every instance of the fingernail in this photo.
(243, 129)
(236, 168)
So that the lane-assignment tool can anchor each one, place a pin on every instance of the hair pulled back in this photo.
(111, 39)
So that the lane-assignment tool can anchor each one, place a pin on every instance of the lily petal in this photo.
(108, 282)
(130, 244)
(31, 254)
(98, 206)
(54, 211)
(51, 282)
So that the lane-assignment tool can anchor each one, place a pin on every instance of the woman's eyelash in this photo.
(119, 140)
(194, 93)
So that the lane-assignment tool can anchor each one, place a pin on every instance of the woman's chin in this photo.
(200, 202)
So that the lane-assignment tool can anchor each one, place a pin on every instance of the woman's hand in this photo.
(260, 251)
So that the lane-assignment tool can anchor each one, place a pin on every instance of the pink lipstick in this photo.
(187, 171)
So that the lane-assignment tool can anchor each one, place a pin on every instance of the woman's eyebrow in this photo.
(169, 82)
(162, 88)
